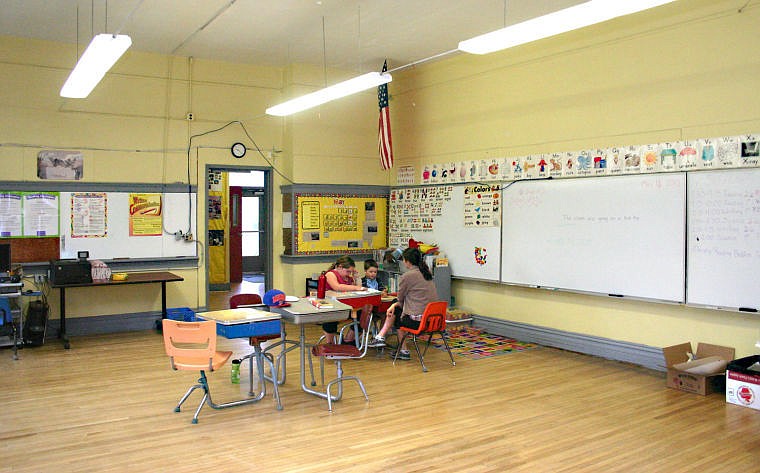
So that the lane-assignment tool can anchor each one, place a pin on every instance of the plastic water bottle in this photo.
(235, 375)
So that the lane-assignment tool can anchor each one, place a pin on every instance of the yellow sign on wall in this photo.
(340, 223)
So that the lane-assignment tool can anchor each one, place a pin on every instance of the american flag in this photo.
(385, 144)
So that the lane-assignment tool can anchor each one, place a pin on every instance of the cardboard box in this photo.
(743, 383)
(703, 383)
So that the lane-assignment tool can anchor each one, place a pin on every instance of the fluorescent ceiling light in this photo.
(102, 53)
(341, 89)
(572, 18)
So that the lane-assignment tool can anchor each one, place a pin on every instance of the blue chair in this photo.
(6, 316)
(8, 326)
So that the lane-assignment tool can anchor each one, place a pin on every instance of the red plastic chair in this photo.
(244, 299)
(339, 352)
(433, 322)
(238, 300)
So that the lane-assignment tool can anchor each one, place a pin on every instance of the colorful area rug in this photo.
(475, 344)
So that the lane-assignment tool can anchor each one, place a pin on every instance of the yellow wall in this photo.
(133, 128)
(687, 70)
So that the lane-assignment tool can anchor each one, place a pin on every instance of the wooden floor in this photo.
(107, 404)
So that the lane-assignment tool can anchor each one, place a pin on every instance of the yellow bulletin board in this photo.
(332, 224)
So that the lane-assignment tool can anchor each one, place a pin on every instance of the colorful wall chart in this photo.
(338, 224)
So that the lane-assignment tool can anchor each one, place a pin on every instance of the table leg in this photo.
(62, 330)
(281, 358)
(163, 299)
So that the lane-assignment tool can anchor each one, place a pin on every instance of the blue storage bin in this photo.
(257, 329)
(183, 314)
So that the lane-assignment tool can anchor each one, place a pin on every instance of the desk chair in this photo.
(433, 322)
(339, 352)
(238, 300)
(192, 346)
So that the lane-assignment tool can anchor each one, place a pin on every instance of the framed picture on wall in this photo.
(60, 165)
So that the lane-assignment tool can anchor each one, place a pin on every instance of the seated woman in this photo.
(415, 291)
(340, 277)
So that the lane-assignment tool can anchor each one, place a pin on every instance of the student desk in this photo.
(244, 323)
(356, 299)
(301, 313)
(133, 278)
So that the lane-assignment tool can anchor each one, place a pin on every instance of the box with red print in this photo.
(743, 382)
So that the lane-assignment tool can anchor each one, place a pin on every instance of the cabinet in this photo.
(441, 279)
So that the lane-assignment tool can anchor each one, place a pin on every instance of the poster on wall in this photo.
(89, 215)
(215, 207)
(336, 224)
(405, 175)
(145, 215)
(10, 214)
(41, 214)
(60, 165)
(482, 205)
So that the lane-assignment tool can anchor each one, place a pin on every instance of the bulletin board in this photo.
(125, 233)
(339, 223)
(462, 220)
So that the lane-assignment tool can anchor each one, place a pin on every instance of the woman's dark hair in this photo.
(343, 262)
(414, 256)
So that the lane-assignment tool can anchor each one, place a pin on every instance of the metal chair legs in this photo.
(422, 354)
(340, 378)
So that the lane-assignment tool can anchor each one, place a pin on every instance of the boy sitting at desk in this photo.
(370, 277)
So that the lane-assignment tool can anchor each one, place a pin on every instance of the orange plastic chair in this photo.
(339, 352)
(192, 346)
(433, 322)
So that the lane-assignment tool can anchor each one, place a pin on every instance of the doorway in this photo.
(248, 219)
(250, 237)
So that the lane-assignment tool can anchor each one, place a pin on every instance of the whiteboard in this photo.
(622, 235)
(460, 242)
(117, 244)
(724, 238)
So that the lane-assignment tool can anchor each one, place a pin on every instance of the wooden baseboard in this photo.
(643, 355)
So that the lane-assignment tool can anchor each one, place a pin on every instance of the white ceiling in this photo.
(357, 34)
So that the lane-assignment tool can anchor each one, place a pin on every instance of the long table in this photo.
(161, 277)
(302, 312)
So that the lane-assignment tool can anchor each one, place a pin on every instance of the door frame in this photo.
(267, 234)
(264, 221)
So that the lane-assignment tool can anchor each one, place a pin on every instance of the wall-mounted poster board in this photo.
(464, 221)
(724, 239)
(121, 225)
(622, 236)
(339, 223)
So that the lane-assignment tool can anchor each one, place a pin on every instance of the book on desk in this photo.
(322, 303)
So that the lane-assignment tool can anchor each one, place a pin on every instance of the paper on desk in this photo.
(235, 315)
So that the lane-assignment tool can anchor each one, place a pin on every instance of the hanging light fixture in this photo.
(568, 19)
(102, 53)
(341, 89)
